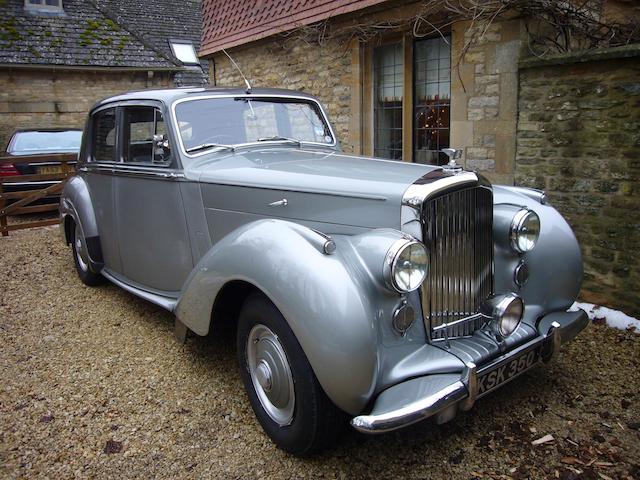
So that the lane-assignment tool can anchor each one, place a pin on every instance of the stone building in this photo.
(58, 57)
(402, 80)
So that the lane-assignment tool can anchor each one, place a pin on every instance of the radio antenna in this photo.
(246, 82)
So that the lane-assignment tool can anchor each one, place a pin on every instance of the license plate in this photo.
(507, 371)
(48, 169)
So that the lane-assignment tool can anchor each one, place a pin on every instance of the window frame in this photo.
(174, 161)
(91, 158)
(263, 96)
(43, 7)
(124, 137)
(367, 127)
(173, 42)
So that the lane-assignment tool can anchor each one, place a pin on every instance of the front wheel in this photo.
(81, 260)
(282, 388)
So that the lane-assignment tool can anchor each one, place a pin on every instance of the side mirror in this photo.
(160, 140)
(160, 148)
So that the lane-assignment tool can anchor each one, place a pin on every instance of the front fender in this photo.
(331, 302)
(555, 264)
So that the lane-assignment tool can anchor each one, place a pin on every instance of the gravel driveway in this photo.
(93, 385)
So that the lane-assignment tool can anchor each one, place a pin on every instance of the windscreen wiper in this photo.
(206, 146)
(277, 138)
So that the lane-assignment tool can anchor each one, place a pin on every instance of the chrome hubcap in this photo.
(270, 374)
(80, 253)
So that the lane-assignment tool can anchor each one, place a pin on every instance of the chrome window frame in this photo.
(174, 120)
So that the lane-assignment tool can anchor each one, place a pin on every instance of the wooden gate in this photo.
(19, 202)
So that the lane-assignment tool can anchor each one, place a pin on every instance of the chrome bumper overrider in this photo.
(443, 395)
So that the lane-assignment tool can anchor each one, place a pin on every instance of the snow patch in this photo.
(613, 318)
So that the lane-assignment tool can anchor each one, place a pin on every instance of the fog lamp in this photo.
(506, 312)
(403, 317)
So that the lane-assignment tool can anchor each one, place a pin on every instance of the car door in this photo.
(155, 250)
(101, 157)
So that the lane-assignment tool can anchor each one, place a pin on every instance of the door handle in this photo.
(279, 203)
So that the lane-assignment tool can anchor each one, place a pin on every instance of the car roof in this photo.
(169, 95)
(47, 129)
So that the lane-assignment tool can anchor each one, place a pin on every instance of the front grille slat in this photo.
(457, 230)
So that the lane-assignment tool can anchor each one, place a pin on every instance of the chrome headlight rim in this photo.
(521, 217)
(497, 308)
(391, 264)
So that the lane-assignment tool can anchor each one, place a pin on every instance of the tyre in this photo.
(282, 388)
(81, 260)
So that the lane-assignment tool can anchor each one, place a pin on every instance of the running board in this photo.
(167, 303)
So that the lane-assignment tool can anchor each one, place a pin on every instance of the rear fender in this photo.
(75, 202)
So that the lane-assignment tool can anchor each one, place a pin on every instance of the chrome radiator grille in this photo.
(457, 231)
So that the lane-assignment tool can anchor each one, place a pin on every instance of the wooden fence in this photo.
(19, 202)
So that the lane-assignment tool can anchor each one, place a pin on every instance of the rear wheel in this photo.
(81, 260)
(282, 388)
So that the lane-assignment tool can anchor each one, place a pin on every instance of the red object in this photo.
(8, 170)
(228, 23)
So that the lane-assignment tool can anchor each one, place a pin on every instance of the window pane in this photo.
(387, 108)
(432, 98)
(143, 128)
(104, 135)
(246, 120)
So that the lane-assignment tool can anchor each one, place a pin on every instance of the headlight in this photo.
(525, 228)
(405, 265)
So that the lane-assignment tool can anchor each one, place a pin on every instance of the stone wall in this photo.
(579, 139)
(484, 89)
(55, 98)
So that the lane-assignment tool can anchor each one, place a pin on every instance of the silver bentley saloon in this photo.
(360, 290)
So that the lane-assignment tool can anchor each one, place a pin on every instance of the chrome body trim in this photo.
(165, 302)
(457, 229)
(132, 170)
(430, 185)
(412, 413)
(476, 316)
(461, 394)
(470, 380)
(174, 120)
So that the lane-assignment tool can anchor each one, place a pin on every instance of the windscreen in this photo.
(233, 121)
(33, 142)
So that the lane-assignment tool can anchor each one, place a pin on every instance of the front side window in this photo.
(432, 99)
(387, 105)
(104, 135)
(205, 123)
(145, 136)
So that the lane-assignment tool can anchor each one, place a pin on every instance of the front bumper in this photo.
(443, 395)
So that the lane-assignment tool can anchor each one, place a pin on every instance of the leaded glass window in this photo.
(387, 102)
(432, 99)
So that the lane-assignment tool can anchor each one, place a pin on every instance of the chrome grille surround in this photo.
(457, 228)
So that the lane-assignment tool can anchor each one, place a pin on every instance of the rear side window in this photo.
(104, 135)
(145, 136)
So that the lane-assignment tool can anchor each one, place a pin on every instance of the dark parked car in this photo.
(38, 141)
